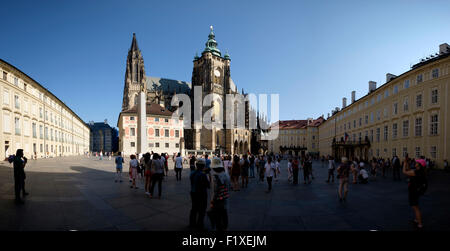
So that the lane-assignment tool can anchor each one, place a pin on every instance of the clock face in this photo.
(216, 73)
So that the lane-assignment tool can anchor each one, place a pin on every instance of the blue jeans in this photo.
(252, 170)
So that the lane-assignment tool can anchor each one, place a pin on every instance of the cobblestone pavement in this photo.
(79, 193)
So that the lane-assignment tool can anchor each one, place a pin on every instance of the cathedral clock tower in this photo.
(135, 79)
(212, 73)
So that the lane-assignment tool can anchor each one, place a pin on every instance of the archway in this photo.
(235, 148)
(241, 146)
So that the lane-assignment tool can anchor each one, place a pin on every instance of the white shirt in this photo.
(290, 167)
(270, 169)
(179, 162)
(331, 164)
(364, 173)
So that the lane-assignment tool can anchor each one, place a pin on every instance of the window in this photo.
(5, 76)
(34, 131)
(177, 145)
(131, 118)
(156, 119)
(405, 151)
(405, 128)
(17, 125)
(166, 133)
(394, 130)
(395, 109)
(378, 134)
(394, 151)
(418, 127)
(133, 144)
(385, 113)
(150, 145)
(419, 78)
(435, 73)
(406, 84)
(46, 133)
(6, 122)
(434, 96)
(16, 81)
(371, 117)
(360, 121)
(16, 102)
(419, 101)
(405, 105)
(395, 89)
(386, 93)
(133, 131)
(40, 112)
(157, 144)
(386, 132)
(433, 152)
(6, 97)
(434, 124)
(417, 151)
(41, 133)
(156, 132)
(167, 145)
(166, 120)
(354, 123)
(177, 133)
(378, 115)
(367, 119)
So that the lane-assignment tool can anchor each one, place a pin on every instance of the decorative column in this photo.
(142, 122)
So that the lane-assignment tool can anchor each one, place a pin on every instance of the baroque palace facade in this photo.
(409, 114)
(34, 119)
(211, 73)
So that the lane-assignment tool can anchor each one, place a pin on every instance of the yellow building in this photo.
(34, 119)
(409, 114)
(296, 137)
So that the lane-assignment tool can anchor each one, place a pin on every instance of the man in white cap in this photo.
(220, 184)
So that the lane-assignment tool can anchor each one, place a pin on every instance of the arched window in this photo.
(135, 72)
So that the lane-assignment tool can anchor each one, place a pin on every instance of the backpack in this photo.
(422, 186)
(222, 192)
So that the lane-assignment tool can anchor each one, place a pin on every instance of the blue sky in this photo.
(312, 53)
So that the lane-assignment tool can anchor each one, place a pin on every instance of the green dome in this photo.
(211, 44)
(227, 56)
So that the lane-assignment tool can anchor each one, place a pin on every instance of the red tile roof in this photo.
(299, 124)
(152, 109)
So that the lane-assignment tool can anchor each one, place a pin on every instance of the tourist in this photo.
(374, 170)
(19, 163)
(277, 169)
(207, 162)
(178, 166)
(220, 184)
(363, 175)
(147, 172)
(101, 155)
(331, 168)
(295, 169)
(192, 162)
(245, 164)
(290, 170)
(119, 166)
(252, 166)
(417, 186)
(227, 164)
(355, 171)
(141, 166)
(157, 174)
(269, 172)
(199, 195)
(306, 178)
(261, 165)
(396, 166)
(343, 172)
(310, 171)
(134, 165)
(235, 173)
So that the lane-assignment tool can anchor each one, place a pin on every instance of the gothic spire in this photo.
(134, 45)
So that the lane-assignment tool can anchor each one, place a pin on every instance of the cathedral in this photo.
(211, 74)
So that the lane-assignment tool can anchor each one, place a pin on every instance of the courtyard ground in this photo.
(79, 193)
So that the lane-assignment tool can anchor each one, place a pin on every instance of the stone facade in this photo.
(409, 114)
(103, 137)
(34, 119)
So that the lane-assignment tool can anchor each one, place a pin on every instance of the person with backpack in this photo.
(417, 186)
(220, 184)
(245, 165)
(119, 161)
(343, 174)
(295, 169)
(331, 168)
(199, 195)
(19, 163)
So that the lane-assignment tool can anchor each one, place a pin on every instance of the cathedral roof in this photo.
(167, 85)
(134, 45)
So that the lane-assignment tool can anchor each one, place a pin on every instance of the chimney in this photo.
(344, 103)
(389, 77)
(353, 96)
(444, 48)
(372, 86)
